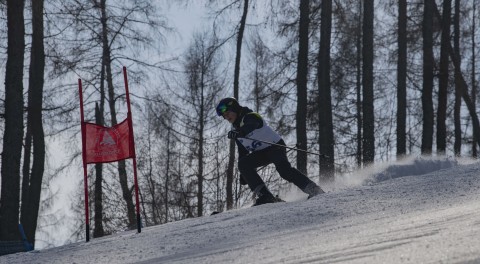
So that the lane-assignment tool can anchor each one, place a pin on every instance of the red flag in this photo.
(107, 144)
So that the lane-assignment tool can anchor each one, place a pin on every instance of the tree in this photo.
(427, 87)
(326, 137)
(462, 84)
(107, 60)
(236, 87)
(367, 81)
(261, 72)
(402, 79)
(163, 191)
(358, 86)
(302, 79)
(443, 79)
(473, 93)
(201, 64)
(33, 177)
(457, 147)
(345, 83)
(98, 230)
(12, 139)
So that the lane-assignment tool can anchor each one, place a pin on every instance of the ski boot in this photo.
(312, 190)
(264, 196)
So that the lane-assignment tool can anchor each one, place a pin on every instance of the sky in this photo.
(185, 20)
(415, 211)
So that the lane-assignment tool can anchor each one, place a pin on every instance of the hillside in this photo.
(422, 211)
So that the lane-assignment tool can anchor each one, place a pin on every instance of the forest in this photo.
(353, 83)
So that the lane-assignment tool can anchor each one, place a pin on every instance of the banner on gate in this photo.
(107, 144)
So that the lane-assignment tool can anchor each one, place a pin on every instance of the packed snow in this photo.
(417, 211)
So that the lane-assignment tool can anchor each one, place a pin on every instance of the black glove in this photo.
(242, 180)
(233, 134)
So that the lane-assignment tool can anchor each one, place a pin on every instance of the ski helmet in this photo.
(227, 104)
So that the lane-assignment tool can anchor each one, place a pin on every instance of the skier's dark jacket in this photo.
(250, 123)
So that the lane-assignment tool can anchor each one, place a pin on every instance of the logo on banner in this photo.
(107, 139)
(107, 144)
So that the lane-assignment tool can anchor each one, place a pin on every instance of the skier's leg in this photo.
(279, 158)
(247, 165)
(291, 174)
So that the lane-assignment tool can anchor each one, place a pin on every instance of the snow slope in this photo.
(422, 211)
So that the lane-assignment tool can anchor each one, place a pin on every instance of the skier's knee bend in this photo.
(286, 171)
(287, 176)
(244, 165)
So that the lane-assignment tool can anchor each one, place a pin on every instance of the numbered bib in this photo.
(264, 133)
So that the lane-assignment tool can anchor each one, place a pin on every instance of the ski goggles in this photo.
(221, 109)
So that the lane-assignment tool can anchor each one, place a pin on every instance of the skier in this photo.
(249, 130)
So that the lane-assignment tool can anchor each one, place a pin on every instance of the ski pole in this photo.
(284, 146)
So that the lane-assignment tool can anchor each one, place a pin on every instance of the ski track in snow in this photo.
(421, 212)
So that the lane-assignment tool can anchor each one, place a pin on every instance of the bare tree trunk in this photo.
(12, 138)
(463, 87)
(167, 176)
(98, 230)
(302, 79)
(31, 205)
(427, 104)
(326, 139)
(402, 80)
(27, 155)
(443, 79)
(151, 184)
(98, 217)
(458, 98)
(358, 155)
(231, 158)
(474, 84)
(127, 193)
(200, 176)
(368, 95)
(230, 167)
